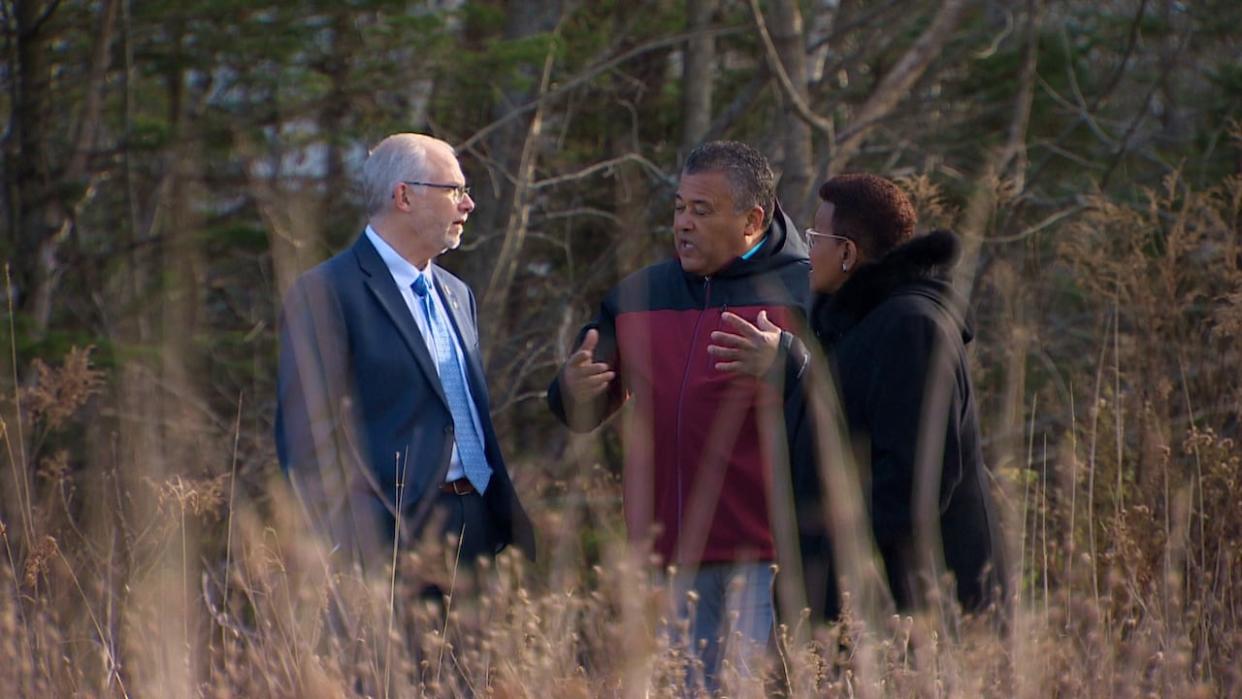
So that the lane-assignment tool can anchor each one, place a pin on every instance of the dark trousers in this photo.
(466, 517)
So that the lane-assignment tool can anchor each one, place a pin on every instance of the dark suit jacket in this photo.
(362, 427)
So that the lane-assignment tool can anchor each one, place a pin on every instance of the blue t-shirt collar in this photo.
(751, 252)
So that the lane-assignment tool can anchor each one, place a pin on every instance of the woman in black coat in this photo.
(894, 333)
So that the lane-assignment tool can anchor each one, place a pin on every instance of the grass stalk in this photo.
(1091, 469)
(1028, 485)
(228, 535)
(448, 601)
(401, 466)
(1071, 548)
(1118, 408)
(19, 464)
(1043, 518)
(103, 638)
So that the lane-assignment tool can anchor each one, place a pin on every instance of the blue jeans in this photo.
(732, 617)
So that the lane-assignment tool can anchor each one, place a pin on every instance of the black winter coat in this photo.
(895, 336)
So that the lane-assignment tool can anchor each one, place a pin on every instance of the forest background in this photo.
(171, 166)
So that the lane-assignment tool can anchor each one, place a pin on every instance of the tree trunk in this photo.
(31, 165)
(798, 173)
(48, 200)
(698, 70)
(503, 211)
(334, 120)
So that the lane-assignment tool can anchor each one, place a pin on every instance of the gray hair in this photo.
(399, 157)
(751, 180)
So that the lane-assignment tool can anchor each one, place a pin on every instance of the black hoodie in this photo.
(895, 335)
(695, 463)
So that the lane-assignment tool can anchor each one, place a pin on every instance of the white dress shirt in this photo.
(404, 274)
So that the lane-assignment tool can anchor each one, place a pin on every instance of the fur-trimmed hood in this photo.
(921, 266)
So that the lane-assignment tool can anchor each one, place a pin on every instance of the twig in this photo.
(1140, 116)
(1081, 102)
(1032, 230)
(572, 213)
(1131, 41)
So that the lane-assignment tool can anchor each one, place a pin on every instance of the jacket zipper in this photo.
(681, 397)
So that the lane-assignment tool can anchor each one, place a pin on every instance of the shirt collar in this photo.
(751, 252)
(402, 271)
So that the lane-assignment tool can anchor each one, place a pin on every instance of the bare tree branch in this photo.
(1142, 112)
(742, 102)
(519, 212)
(605, 165)
(790, 91)
(897, 82)
(35, 26)
(588, 75)
(1032, 230)
(979, 209)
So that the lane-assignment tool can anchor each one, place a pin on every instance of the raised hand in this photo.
(584, 377)
(749, 349)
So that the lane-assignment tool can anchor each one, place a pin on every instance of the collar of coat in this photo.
(924, 262)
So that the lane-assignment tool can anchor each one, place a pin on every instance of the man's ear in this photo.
(754, 223)
(400, 196)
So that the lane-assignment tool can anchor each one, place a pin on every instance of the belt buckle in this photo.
(464, 486)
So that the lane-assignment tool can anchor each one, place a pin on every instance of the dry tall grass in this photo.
(138, 563)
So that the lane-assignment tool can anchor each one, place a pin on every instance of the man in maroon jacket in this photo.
(697, 450)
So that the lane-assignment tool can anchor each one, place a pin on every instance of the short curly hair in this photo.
(751, 180)
(871, 211)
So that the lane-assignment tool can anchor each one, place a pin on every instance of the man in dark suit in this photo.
(383, 422)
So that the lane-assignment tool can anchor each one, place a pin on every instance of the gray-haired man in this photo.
(383, 410)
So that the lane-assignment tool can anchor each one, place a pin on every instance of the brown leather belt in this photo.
(461, 486)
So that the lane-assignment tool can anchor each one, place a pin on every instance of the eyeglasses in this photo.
(812, 234)
(459, 191)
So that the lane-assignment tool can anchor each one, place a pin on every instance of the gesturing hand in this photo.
(583, 376)
(750, 349)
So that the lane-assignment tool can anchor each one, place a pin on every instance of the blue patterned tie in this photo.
(469, 444)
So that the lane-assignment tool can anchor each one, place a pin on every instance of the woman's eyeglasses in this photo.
(812, 234)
